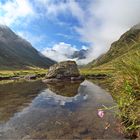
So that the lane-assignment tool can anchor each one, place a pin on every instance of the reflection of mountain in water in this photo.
(68, 89)
(14, 96)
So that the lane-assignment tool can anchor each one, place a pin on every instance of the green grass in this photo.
(124, 84)
(10, 73)
(128, 42)
(96, 71)
(19, 73)
(122, 62)
(127, 91)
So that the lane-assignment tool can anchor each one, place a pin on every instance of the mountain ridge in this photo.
(80, 54)
(17, 53)
(127, 42)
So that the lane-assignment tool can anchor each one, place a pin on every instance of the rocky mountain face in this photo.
(17, 53)
(81, 54)
(127, 42)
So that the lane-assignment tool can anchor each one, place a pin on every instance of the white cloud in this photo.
(101, 22)
(53, 9)
(14, 11)
(65, 36)
(59, 52)
(50, 8)
(115, 16)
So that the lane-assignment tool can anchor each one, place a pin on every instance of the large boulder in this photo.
(64, 70)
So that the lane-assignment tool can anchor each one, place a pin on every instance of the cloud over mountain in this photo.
(100, 22)
(60, 52)
(97, 23)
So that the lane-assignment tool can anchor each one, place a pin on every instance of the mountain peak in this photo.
(16, 52)
(3, 26)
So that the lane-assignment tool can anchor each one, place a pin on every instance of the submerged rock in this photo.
(66, 70)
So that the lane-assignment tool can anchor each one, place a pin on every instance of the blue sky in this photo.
(59, 27)
(49, 28)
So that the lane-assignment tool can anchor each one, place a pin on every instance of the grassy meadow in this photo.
(124, 84)
(7, 74)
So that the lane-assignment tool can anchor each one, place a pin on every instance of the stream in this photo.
(67, 110)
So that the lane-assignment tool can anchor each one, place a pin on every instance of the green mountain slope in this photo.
(121, 64)
(17, 53)
(129, 41)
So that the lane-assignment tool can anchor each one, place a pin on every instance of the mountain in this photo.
(129, 42)
(81, 54)
(17, 53)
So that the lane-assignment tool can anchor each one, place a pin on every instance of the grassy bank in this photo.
(124, 84)
(8, 74)
(96, 71)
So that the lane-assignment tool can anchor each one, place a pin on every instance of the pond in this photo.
(67, 110)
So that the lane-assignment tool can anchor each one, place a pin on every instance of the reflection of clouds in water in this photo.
(54, 99)
(4, 128)
(8, 126)
(46, 99)
(73, 113)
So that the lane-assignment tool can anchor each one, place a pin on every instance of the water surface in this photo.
(57, 111)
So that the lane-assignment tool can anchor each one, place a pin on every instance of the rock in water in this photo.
(67, 88)
(67, 70)
(63, 70)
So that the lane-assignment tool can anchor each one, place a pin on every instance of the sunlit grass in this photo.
(96, 71)
(19, 73)
(124, 84)
(10, 73)
(127, 90)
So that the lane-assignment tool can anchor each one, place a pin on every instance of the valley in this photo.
(117, 71)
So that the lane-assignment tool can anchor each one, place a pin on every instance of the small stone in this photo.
(30, 77)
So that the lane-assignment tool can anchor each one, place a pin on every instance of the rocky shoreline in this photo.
(26, 77)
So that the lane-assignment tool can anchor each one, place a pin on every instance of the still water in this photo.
(67, 110)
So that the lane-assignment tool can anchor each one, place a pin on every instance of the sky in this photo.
(57, 28)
